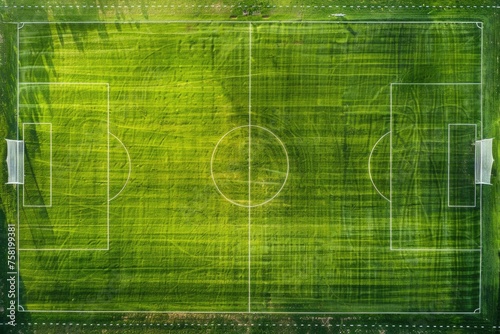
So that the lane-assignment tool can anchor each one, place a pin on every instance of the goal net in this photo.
(15, 161)
(484, 160)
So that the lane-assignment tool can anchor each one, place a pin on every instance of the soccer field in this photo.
(255, 167)
(249, 170)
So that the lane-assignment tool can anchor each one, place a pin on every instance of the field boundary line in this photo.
(225, 312)
(449, 159)
(369, 165)
(50, 169)
(107, 85)
(269, 6)
(256, 22)
(18, 118)
(481, 134)
(249, 167)
(239, 312)
(246, 324)
(390, 166)
(108, 95)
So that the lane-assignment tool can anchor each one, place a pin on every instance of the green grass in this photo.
(325, 243)
(322, 244)
(66, 189)
(181, 245)
(421, 218)
(461, 165)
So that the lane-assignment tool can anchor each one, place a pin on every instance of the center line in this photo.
(249, 164)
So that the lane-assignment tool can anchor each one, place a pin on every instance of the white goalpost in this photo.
(484, 161)
(15, 161)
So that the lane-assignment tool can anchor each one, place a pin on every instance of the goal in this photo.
(15, 161)
(484, 161)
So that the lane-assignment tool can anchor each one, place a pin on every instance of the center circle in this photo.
(249, 166)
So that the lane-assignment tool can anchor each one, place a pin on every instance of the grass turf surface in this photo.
(322, 245)
(417, 43)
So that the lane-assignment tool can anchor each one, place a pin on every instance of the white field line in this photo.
(390, 167)
(287, 166)
(19, 27)
(50, 169)
(449, 159)
(18, 224)
(218, 6)
(108, 163)
(481, 186)
(62, 249)
(65, 83)
(435, 83)
(259, 22)
(240, 312)
(249, 167)
(451, 250)
(212, 167)
(369, 166)
(390, 196)
(129, 160)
